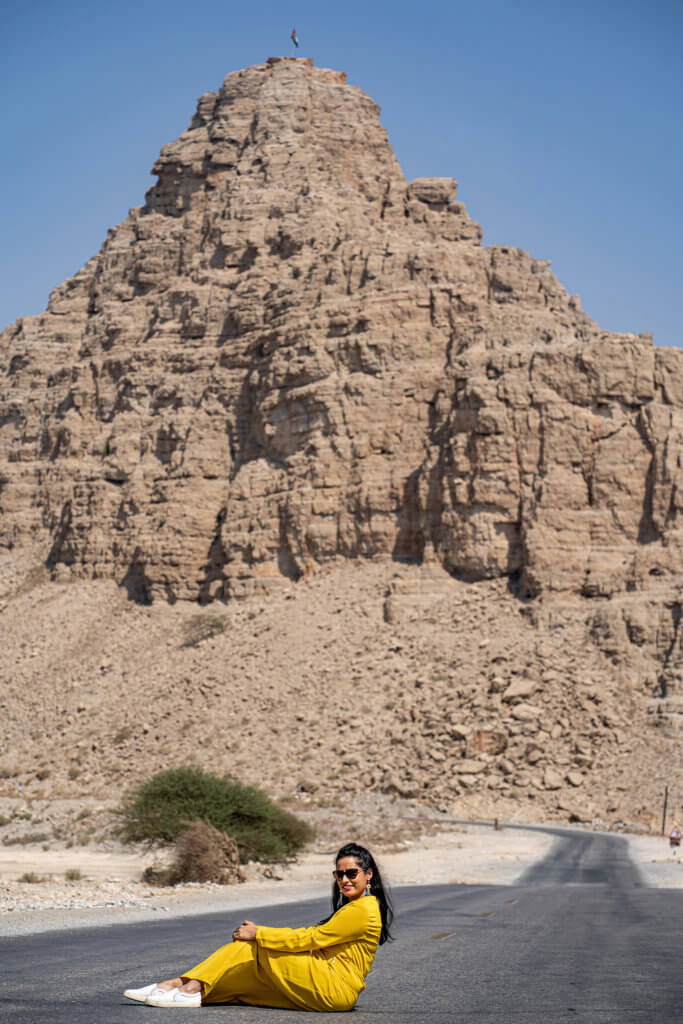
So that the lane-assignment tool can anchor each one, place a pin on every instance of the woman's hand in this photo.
(244, 932)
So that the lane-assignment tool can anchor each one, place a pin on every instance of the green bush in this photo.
(157, 811)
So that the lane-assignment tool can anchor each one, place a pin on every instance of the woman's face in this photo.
(352, 887)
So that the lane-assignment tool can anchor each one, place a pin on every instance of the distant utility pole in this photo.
(666, 800)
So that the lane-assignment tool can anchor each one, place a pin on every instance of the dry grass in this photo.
(202, 854)
(33, 878)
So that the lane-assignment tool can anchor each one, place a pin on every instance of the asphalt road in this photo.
(579, 939)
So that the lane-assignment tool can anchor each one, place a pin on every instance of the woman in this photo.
(318, 968)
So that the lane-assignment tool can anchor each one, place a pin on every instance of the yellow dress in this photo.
(318, 968)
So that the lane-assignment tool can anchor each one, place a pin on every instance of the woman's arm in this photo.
(349, 923)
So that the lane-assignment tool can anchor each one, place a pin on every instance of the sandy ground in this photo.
(110, 892)
(661, 867)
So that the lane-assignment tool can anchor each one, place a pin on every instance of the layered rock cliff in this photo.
(289, 356)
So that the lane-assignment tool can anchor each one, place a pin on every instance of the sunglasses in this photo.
(350, 874)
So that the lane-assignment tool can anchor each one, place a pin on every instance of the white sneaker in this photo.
(174, 998)
(140, 994)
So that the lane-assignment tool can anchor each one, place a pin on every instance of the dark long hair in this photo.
(377, 887)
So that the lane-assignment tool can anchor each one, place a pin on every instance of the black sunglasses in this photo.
(350, 874)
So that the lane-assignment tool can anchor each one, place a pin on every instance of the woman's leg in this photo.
(232, 975)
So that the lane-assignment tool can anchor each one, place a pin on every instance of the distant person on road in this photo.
(321, 968)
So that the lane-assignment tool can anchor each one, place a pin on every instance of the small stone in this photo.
(467, 766)
(526, 712)
(459, 732)
(552, 779)
(520, 688)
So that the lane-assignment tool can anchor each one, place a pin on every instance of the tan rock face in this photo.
(290, 356)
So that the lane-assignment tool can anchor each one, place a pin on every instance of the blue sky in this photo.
(560, 120)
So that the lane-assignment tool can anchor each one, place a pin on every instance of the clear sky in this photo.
(561, 120)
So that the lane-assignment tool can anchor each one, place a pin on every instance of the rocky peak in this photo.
(291, 356)
(282, 125)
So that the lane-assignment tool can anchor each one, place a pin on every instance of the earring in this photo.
(367, 888)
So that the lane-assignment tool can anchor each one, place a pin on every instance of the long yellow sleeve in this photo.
(348, 924)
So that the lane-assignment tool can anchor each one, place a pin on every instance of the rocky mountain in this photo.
(290, 361)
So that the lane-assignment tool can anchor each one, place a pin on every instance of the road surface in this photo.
(578, 939)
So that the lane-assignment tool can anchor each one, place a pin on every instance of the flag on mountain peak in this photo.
(295, 38)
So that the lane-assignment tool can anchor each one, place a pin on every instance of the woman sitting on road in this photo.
(318, 968)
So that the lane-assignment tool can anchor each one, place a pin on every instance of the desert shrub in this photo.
(159, 874)
(4, 821)
(32, 877)
(73, 874)
(158, 809)
(25, 839)
(202, 854)
(201, 628)
(205, 854)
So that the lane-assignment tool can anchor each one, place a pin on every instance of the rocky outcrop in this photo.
(290, 356)
(559, 463)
